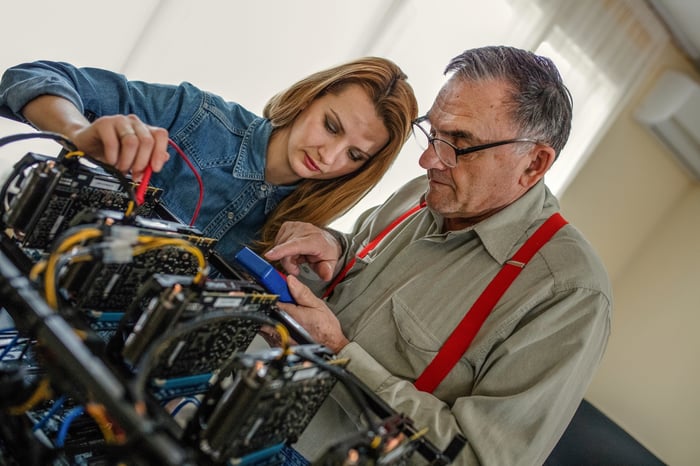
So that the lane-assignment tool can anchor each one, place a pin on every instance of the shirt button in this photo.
(230, 215)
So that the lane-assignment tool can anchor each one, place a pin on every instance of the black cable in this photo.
(123, 180)
(39, 135)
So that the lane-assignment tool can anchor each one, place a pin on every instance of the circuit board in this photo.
(43, 196)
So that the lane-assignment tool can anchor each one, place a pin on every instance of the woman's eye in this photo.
(355, 157)
(331, 127)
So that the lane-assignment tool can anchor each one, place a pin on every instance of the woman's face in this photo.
(335, 135)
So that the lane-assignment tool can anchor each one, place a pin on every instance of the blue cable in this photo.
(9, 347)
(42, 422)
(184, 403)
(63, 432)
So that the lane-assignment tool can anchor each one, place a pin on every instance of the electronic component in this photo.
(180, 332)
(43, 195)
(387, 446)
(266, 403)
(110, 285)
(69, 367)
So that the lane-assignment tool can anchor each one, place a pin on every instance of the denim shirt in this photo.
(225, 142)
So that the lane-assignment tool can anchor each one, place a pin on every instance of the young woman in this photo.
(318, 148)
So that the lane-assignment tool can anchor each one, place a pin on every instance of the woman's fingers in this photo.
(125, 142)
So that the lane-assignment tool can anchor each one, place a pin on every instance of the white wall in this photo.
(642, 213)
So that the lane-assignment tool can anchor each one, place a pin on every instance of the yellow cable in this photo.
(130, 209)
(49, 275)
(81, 258)
(74, 153)
(42, 392)
(149, 243)
(36, 270)
(418, 434)
(99, 414)
(284, 339)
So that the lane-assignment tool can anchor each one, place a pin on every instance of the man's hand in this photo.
(313, 314)
(298, 243)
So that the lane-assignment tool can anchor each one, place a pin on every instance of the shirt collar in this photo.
(250, 163)
(502, 232)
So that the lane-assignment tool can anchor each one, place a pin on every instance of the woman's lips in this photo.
(308, 161)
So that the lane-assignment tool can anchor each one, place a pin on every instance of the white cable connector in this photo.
(119, 247)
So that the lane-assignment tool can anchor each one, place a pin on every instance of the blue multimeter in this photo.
(268, 276)
(274, 282)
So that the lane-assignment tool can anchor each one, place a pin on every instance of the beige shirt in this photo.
(515, 390)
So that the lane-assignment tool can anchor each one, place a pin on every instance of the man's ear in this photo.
(541, 159)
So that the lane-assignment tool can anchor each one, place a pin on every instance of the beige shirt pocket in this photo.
(417, 346)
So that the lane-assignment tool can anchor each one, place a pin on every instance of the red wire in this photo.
(140, 194)
(196, 174)
(141, 189)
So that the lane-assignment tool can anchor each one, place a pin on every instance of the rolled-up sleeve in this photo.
(97, 92)
(23, 83)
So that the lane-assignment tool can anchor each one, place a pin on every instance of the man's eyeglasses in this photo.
(446, 152)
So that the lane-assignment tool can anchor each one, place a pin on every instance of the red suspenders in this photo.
(461, 337)
(371, 245)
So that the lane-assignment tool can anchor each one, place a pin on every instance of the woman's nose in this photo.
(330, 152)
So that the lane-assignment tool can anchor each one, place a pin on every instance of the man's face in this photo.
(467, 114)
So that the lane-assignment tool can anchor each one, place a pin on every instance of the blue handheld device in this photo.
(274, 282)
(269, 277)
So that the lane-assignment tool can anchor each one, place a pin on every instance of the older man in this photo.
(459, 250)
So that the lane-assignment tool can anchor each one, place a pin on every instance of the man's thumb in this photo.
(300, 292)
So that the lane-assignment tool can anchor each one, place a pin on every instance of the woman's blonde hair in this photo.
(322, 201)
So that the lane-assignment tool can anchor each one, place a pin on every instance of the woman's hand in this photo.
(125, 142)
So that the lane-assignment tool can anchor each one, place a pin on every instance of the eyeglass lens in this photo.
(444, 151)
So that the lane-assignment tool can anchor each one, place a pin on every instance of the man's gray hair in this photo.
(541, 103)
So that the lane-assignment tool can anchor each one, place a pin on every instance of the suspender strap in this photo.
(370, 246)
(457, 343)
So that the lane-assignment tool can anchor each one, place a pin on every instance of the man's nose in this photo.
(429, 159)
